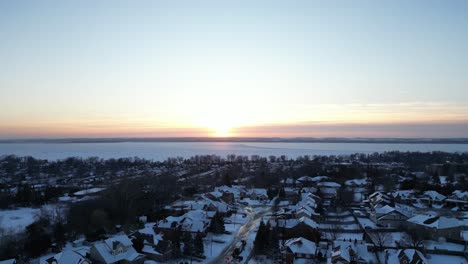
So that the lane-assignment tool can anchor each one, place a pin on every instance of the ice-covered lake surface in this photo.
(162, 150)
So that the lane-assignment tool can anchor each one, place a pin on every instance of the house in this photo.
(379, 199)
(236, 190)
(436, 226)
(196, 221)
(305, 181)
(154, 245)
(404, 196)
(345, 252)
(117, 249)
(357, 183)
(458, 200)
(257, 194)
(161, 251)
(388, 216)
(302, 227)
(411, 256)
(298, 248)
(432, 198)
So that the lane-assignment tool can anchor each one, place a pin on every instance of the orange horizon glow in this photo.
(303, 129)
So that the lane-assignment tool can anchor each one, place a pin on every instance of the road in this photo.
(242, 233)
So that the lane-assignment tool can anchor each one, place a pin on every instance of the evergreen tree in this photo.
(175, 244)
(188, 244)
(261, 238)
(217, 224)
(198, 245)
(59, 234)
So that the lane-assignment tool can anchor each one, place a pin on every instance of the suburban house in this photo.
(458, 200)
(302, 227)
(118, 249)
(154, 245)
(432, 198)
(298, 248)
(436, 226)
(379, 199)
(194, 222)
(388, 216)
(404, 196)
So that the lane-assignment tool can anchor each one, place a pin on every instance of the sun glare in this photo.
(222, 130)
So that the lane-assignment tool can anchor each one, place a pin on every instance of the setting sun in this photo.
(221, 130)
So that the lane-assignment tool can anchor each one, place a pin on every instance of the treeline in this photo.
(117, 209)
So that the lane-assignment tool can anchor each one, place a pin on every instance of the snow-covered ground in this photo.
(17, 220)
(436, 259)
(234, 222)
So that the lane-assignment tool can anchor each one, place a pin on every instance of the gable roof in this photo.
(105, 248)
(411, 254)
(301, 246)
(433, 195)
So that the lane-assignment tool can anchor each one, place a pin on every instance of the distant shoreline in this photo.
(243, 139)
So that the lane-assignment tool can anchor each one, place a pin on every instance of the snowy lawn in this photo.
(17, 220)
(213, 249)
(436, 259)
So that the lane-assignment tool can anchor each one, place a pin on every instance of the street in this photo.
(242, 234)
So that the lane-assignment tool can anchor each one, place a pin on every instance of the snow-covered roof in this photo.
(410, 254)
(88, 191)
(356, 182)
(433, 195)
(305, 179)
(438, 222)
(75, 255)
(460, 195)
(105, 250)
(403, 193)
(291, 223)
(320, 178)
(301, 246)
(329, 184)
(343, 248)
(122, 239)
(384, 210)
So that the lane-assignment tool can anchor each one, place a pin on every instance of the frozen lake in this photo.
(162, 150)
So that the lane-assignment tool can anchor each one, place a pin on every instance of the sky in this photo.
(233, 68)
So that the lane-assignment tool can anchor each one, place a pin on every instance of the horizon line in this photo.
(413, 140)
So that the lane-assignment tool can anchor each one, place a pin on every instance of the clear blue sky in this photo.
(169, 68)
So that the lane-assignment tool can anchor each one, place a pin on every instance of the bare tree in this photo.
(381, 239)
(413, 239)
